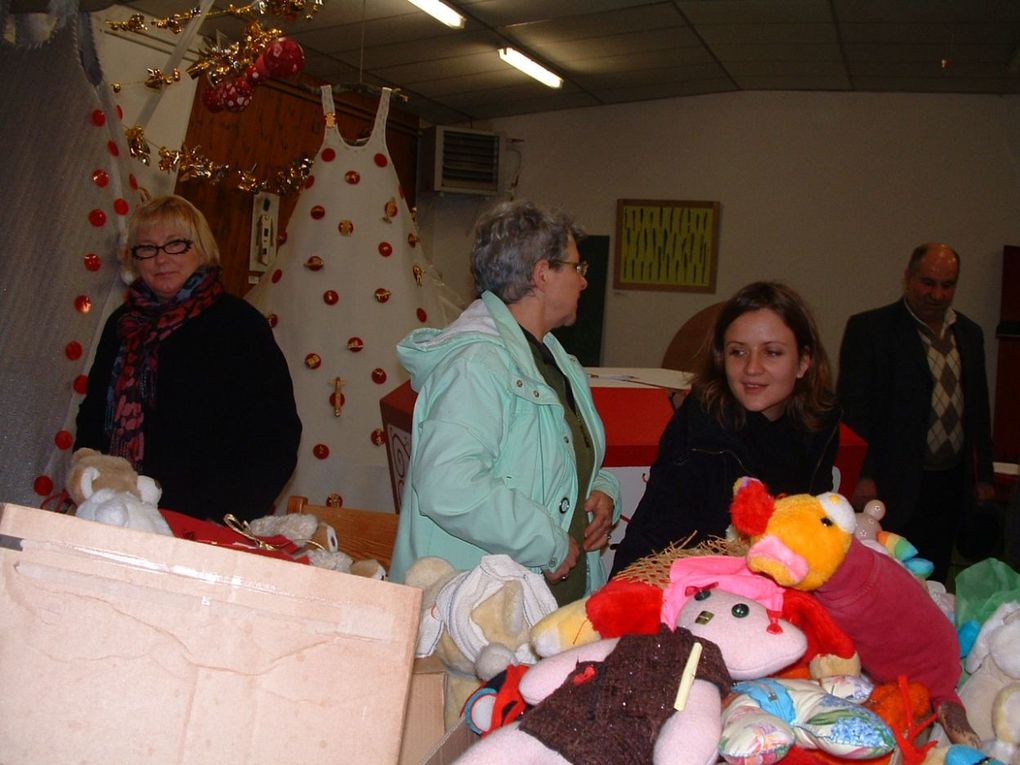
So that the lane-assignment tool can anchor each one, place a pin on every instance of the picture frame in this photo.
(666, 244)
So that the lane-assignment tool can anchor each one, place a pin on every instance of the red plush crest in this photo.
(624, 607)
(752, 507)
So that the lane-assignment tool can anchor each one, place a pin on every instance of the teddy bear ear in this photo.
(149, 490)
(88, 475)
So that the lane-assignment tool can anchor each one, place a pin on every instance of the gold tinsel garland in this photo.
(218, 62)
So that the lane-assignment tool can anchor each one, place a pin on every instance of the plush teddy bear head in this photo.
(91, 471)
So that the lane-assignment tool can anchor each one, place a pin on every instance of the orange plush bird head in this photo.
(798, 540)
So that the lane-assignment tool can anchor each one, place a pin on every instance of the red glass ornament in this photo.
(355, 344)
(314, 263)
(73, 350)
(277, 275)
(382, 294)
(318, 212)
(378, 376)
(385, 249)
(352, 177)
(422, 316)
(332, 399)
(98, 118)
(254, 75)
(378, 437)
(97, 218)
(83, 304)
(273, 320)
(321, 451)
(92, 262)
(334, 500)
(111, 147)
(212, 99)
(380, 159)
(120, 206)
(284, 58)
(313, 361)
(330, 297)
(390, 210)
(63, 440)
(81, 384)
(328, 155)
(101, 178)
(43, 486)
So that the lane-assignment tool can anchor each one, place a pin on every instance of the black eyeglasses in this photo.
(173, 247)
(580, 266)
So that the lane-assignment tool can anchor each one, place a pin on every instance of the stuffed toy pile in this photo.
(808, 543)
(643, 698)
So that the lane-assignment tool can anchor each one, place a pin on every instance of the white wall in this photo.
(827, 191)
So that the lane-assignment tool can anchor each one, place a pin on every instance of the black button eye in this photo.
(741, 610)
(827, 521)
(703, 595)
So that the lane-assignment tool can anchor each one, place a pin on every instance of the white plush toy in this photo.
(122, 508)
(992, 692)
(107, 489)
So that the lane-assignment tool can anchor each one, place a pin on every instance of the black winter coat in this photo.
(690, 486)
(223, 435)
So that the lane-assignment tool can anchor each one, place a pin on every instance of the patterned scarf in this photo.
(145, 324)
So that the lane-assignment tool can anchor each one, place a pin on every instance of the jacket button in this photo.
(536, 394)
(520, 383)
(566, 439)
(564, 505)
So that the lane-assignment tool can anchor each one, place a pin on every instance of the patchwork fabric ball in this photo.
(283, 58)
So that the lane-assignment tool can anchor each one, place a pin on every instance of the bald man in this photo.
(912, 384)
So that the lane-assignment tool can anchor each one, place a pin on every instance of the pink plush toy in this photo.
(643, 698)
(808, 543)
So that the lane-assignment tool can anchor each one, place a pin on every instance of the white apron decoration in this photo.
(348, 284)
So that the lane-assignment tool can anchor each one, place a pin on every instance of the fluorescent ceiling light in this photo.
(530, 68)
(441, 11)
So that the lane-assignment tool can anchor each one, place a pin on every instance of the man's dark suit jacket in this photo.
(885, 388)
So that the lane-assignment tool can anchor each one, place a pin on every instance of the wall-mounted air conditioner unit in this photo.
(461, 161)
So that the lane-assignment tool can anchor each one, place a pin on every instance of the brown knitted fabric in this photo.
(610, 712)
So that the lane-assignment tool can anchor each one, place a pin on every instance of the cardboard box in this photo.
(121, 646)
(424, 725)
(456, 741)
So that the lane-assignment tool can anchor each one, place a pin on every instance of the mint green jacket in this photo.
(492, 463)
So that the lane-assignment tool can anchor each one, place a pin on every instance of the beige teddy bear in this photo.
(478, 622)
(108, 490)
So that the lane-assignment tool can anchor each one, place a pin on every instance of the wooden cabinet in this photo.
(1006, 426)
(283, 123)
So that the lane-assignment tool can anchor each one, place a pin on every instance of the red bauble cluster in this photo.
(282, 58)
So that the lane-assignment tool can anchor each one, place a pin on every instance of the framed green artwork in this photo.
(666, 245)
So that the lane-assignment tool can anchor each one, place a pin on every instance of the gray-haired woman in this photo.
(507, 447)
